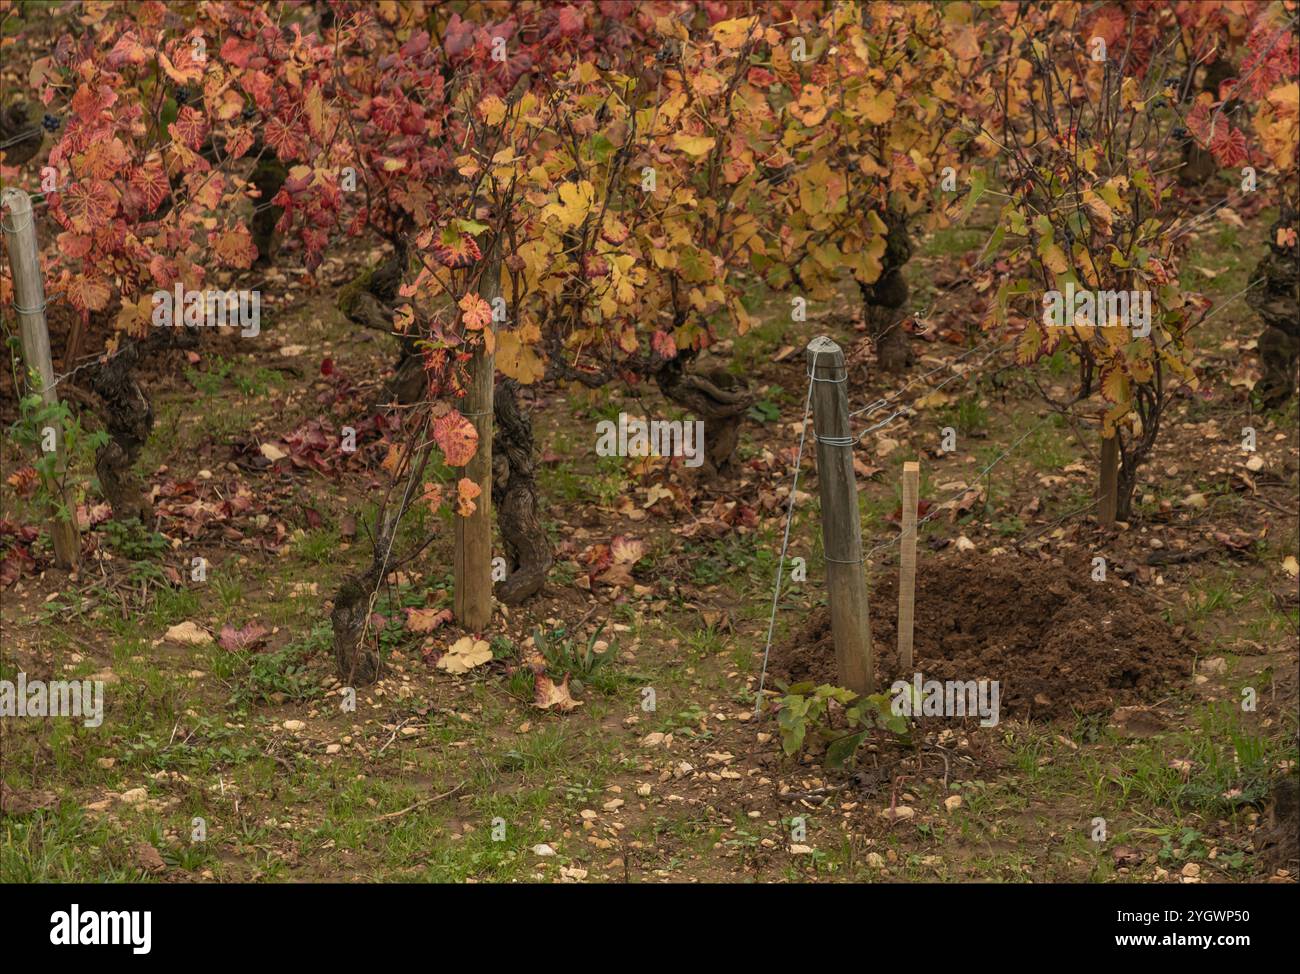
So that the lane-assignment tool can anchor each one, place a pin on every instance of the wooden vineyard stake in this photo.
(29, 303)
(841, 525)
(473, 561)
(907, 565)
(1108, 489)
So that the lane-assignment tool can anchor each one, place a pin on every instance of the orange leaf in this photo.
(457, 438)
(475, 312)
(466, 491)
(426, 620)
(432, 496)
(547, 694)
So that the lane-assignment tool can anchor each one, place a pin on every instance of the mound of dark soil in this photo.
(1057, 642)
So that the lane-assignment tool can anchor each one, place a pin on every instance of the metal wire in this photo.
(785, 541)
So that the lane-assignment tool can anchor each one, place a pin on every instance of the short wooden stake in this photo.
(841, 525)
(907, 565)
(29, 303)
(1108, 487)
(473, 557)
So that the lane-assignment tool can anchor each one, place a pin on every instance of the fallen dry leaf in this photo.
(547, 694)
(249, 637)
(465, 654)
(625, 553)
(426, 620)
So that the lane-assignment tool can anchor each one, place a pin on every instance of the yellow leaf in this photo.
(1053, 257)
(879, 108)
(693, 145)
(516, 357)
(492, 109)
(574, 205)
(465, 654)
(732, 34)
(1114, 386)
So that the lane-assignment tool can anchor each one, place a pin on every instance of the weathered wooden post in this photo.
(473, 562)
(1108, 488)
(907, 565)
(29, 303)
(841, 525)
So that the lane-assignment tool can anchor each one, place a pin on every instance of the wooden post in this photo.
(29, 303)
(907, 565)
(841, 525)
(473, 595)
(1108, 487)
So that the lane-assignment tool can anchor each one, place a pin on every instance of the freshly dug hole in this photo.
(1058, 642)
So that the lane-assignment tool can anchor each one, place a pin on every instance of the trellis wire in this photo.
(789, 518)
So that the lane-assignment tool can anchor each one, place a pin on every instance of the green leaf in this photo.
(839, 751)
(601, 147)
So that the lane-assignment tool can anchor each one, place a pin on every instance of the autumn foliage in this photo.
(634, 170)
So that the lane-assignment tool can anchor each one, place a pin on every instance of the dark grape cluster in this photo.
(50, 122)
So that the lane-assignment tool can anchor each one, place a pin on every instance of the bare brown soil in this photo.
(1059, 643)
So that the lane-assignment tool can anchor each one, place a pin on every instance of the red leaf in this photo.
(237, 51)
(236, 640)
(456, 249)
(1228, 144)
(89, 204)
(151, 181)
(663, 344)
(191, 126)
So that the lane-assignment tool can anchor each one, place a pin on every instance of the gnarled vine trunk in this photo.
(268, 177)
(368, 300)
(883, 301)
(22, 139)
(718, 398)
(128, 418)
(356, 657)
(1275, 297)
(514, 495)
(356, 660)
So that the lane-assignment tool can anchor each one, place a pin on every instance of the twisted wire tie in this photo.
(31, 217)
